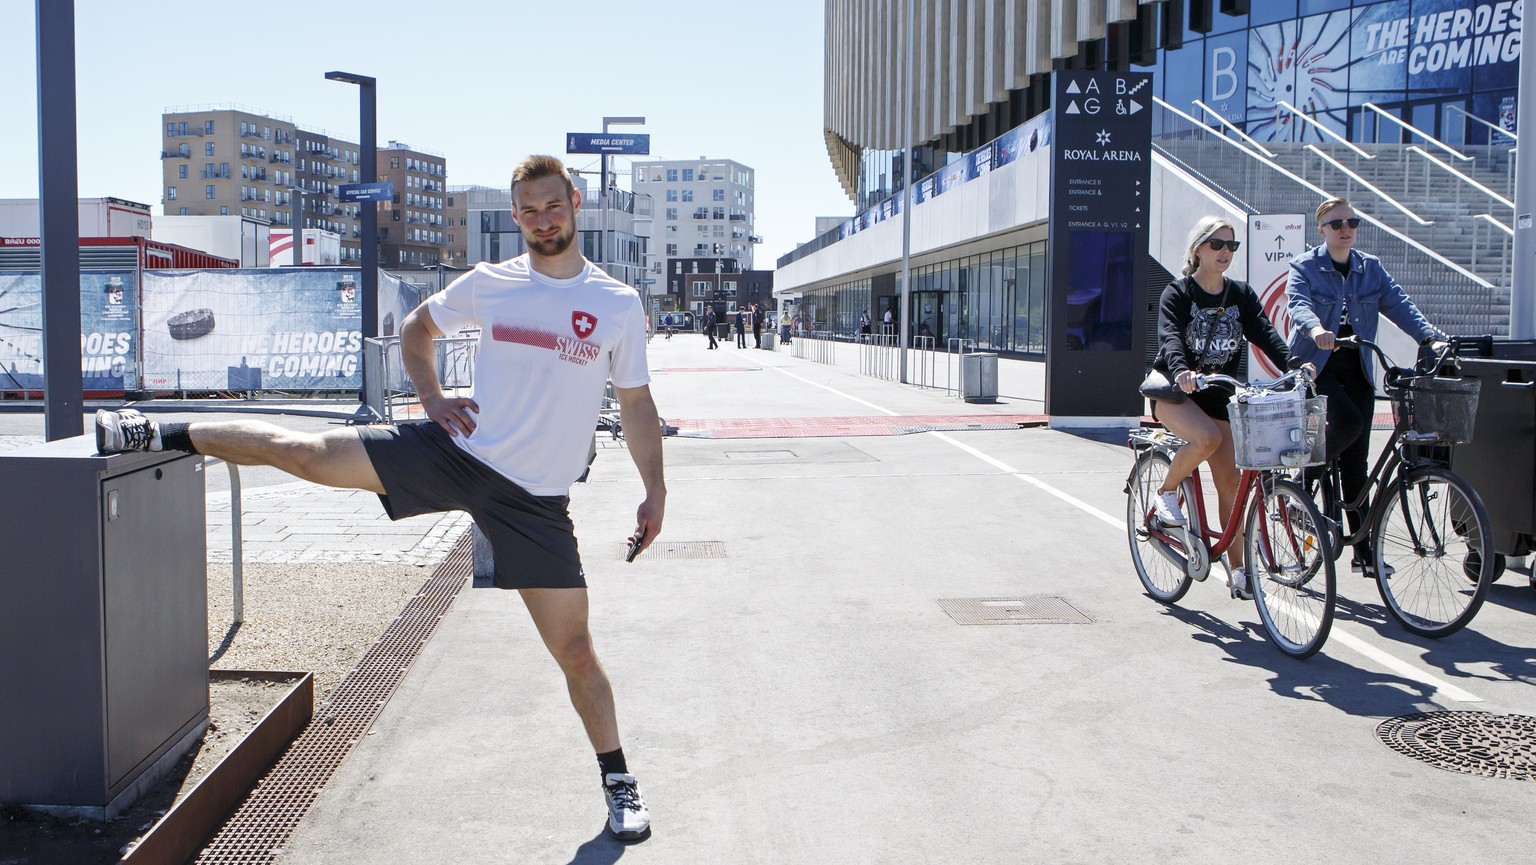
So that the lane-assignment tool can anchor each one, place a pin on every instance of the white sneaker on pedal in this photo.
(1237, 582)
(125, 430)
(1166, 507)
(628, 818)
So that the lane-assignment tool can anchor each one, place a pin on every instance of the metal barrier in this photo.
(236, 540)
(390, 387)
(880, 357)
(819, 346)
(955, 348)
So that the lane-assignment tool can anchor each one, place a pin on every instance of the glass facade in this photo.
(996, 300)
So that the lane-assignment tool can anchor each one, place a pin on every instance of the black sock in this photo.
(175, 437)
(612, 762)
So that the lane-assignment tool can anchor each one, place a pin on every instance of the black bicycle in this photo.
(1430, 536)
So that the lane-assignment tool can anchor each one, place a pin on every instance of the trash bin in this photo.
(769, 340)
(978, 377)
(1500, 461)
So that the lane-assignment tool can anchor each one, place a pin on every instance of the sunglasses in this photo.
(1218, 244)
(1336, 224)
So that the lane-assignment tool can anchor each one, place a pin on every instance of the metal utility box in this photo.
(103, 623)
(978, 377)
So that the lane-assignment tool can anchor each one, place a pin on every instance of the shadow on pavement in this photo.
(602, 849)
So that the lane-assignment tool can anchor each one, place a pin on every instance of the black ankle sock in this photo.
(175, 437)
(612, 762)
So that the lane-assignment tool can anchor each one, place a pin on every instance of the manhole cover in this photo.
(1473, 743)
(1038, 610)
(680, 550)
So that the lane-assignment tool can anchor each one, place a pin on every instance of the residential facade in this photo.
(702, 209)
(413, 225)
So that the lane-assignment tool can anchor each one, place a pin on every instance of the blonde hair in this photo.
(539, 167)
(1207, 226)
(1329, 204)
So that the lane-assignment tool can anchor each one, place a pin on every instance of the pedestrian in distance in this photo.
(757, 326)
(1335, 290)
(864, 323)
(889, 322)
(554, 329)
(1202, 321)
(741, 329)
(784, 323)
(709, 327)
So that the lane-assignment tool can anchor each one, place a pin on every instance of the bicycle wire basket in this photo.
(1429, 405)
(1273, 431)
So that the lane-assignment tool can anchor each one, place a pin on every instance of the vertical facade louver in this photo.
(967, 56)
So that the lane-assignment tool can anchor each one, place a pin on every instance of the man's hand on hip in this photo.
(456, 414)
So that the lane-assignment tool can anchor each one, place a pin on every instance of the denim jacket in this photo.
(1315, 292)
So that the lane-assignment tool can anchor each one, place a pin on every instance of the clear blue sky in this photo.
(484, 82)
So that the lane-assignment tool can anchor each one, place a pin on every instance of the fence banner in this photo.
(107, 330)
(295, 329)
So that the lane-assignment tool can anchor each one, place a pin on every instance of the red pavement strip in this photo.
(870, 425)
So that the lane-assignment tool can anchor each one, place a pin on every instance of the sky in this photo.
(484, 82)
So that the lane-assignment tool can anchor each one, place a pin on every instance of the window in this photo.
(170, 193)
(207, 148)
(183, 212)
(170, 130)
(718, 194)
(207, 127)
(671, 250)
(687, 194)
(224, 211)
(394, 162)
(718, 213)
(671, 194)
(671, 175)
(671, 211)
(181, 171)
(687, 175)
(700, 288)
(730, 288)
(208, 191)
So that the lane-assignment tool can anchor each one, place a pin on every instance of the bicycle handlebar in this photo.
(1300, 376)
(1430, 359)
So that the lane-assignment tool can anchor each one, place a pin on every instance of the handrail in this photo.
(1325, 130)
(236, 542)
(1416, 131)
(1499, 129)
(1368, 185)
(1158, 101)
(1230, 125)
(1493, 220)
(1414, 148)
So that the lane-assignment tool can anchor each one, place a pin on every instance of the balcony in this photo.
(753, 238)
(213, 175)
(189, 132)
(251, 133)
(175, 154)
(259, 174)
(738, 217)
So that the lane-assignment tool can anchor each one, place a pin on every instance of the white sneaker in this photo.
(1166, 507)
(628, 818)
(125, 430)
(1237, 581)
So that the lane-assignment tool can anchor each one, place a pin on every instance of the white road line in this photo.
(1442, 688)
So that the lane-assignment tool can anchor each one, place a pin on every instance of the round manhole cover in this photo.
(1474, 743)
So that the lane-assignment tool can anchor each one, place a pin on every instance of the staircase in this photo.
(1466, 293)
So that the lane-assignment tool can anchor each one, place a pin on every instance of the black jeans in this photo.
(1351, 410)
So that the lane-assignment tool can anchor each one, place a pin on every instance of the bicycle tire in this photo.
(1163, 570)
(1290, 567)
(1427, 527)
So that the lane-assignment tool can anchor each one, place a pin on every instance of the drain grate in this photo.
(680, 550)
(1473, 743)
(257, 830)
(1037, 610)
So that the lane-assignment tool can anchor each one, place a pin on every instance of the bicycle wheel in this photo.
(1290, 567)
(1430, 542)
(1161, 565)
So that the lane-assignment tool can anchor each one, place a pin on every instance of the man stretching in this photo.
(554, 329)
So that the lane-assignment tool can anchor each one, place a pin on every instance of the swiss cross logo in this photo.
(583, 323)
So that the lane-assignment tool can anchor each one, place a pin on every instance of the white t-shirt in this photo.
(547, 347)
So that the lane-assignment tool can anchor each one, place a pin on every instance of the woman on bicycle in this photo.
(1336, 290)
(1202, 320)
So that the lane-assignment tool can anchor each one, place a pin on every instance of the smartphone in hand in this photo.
(634, 547)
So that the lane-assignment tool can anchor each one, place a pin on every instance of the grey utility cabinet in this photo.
(103, 623)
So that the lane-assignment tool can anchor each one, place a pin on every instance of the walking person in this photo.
(864, 323)
(785, 318)
(757, 326)
(741, 329)
(889, 322)
(709, 327)
(1202, 320)
(1336, 290)
(554, 328)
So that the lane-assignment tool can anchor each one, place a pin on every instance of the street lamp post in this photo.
(602, 186)
(58, 185)
(369, 144)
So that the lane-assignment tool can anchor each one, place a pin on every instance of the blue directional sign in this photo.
(381, 190)
(607, 142)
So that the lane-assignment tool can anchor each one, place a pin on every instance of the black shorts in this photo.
(533, 541)
(1213, 401)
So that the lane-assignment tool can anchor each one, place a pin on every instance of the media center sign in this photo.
(603, 142)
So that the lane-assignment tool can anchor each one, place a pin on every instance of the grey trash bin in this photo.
(770, 339)
(978, 377)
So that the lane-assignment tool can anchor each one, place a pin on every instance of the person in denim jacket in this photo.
(1336, 290)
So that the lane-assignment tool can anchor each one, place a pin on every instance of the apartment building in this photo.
(702, 209)
(413, 229)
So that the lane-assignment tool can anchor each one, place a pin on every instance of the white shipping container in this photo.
(99, 217)
(239, 237)
(320, 247)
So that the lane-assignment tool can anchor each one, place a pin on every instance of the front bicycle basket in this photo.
(1284, 433)
(1442, 407)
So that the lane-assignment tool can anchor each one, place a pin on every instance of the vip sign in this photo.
(1273, 240)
